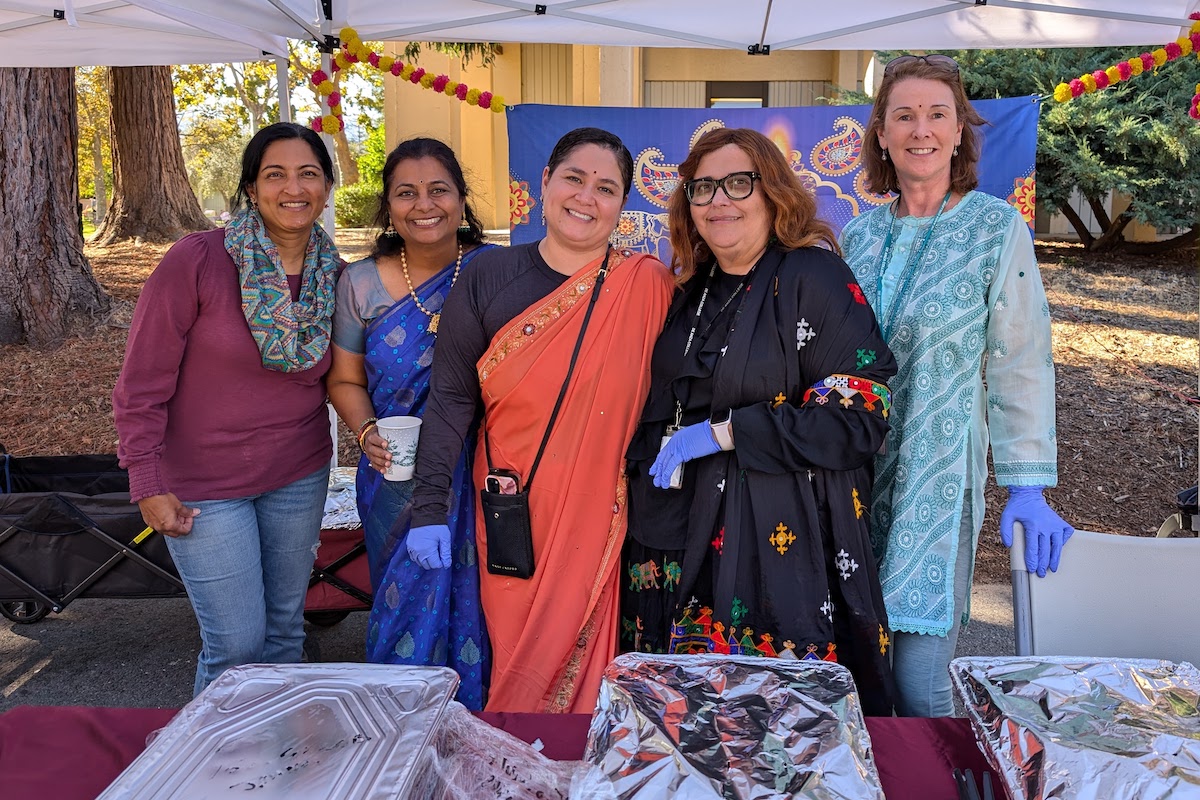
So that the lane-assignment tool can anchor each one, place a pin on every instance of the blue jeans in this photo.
(921, 661)
(246, 566)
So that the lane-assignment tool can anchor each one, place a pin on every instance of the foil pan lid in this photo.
(1082, 728)
(296, 731)
(717, 726)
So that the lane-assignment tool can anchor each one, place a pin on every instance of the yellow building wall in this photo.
(581, 75)
(478, 137)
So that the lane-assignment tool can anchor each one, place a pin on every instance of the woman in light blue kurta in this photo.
(951, 275)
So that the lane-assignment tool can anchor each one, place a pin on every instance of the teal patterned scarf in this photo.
(292, 337)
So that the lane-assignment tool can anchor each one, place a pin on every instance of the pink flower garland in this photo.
(1125, 70)
(354, 51)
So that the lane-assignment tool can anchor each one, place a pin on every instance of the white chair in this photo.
(1112, 597)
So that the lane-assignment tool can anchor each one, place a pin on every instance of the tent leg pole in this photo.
(283, 87)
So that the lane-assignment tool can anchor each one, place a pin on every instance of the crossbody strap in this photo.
(562, 393)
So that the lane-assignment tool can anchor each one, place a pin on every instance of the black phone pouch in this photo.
(509, 534)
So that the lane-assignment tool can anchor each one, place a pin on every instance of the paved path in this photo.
(143, 652)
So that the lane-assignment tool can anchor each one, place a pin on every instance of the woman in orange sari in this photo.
(508, 334)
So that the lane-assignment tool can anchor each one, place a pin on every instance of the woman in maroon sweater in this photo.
(220, 406)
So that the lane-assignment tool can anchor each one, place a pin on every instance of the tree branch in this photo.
(1099, 212)
(1154, 248)
(1085, 236)
(1111, 238)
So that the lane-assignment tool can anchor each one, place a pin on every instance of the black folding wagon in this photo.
(68, 530)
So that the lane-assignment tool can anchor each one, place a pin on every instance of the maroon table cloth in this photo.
(73, 752)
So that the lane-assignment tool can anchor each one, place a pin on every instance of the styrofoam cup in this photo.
(401, 434)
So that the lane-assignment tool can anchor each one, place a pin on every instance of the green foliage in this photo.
(465, 52)
(354, 206)
(373, 156)
(1134, 138)
(92, 105)
(212, 153)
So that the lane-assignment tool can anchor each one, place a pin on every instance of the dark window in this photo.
(737, 94)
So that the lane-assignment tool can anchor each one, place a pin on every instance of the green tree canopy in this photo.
(1135, 138)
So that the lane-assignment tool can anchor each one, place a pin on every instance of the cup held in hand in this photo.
(401, 434)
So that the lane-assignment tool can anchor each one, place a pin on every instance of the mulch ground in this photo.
(1125, 342)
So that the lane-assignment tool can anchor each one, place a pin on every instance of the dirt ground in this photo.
(1125, 343)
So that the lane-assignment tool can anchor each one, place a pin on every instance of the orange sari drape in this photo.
(552, 635)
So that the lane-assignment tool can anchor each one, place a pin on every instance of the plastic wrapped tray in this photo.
(1079, 728)
(297, 731)
(715, 726)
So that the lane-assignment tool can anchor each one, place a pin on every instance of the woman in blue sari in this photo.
(384, 331)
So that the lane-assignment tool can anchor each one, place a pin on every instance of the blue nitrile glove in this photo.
(429, 546)
(692, 442)
(1045, 531)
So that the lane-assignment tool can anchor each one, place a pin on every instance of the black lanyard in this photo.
(708, 329)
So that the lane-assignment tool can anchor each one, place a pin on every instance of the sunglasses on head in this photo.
(934, 60)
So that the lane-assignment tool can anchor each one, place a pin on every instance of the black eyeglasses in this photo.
(736, 185)
(934, 60)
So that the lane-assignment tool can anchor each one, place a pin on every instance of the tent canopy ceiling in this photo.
(781, 24)
(71, 33)
(126, 32)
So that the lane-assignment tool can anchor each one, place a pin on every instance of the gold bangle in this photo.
(362, 431)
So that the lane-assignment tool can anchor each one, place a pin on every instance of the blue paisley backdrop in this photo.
(822, 143)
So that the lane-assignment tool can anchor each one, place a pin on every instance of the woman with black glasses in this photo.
(751, 467)
(951, 275)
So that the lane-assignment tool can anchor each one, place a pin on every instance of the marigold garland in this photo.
(1137, 65)
(354, 52)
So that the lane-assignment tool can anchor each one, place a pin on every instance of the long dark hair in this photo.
(881, 175)
(422, 147)
(252, 156)
(793, 209)
(572, 140)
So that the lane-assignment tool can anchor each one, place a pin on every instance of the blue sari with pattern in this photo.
(419, 617)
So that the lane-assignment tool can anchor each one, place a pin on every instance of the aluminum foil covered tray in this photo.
(1077, 728)
(296, 731)
(715, 726)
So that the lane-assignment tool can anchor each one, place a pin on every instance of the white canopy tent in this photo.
(74, 33)
(57, 33)
(742, 24)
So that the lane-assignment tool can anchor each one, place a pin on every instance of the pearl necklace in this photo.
(434, 319)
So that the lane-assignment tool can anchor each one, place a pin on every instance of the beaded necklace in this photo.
(434, 318)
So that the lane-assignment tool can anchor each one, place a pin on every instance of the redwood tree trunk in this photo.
(46, 283)
(152, 199)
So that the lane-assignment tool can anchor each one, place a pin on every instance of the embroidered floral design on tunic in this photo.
(884, 641)
(853, 391)
(781, 538)
(737, 611)
(697, 632)
(976, 282)
(811, 653)
(858, 506)
(827, 607)
(718, 543)
(857, 293)
(779, 400)
(845, 564)
(804, 332)
(863, 358)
